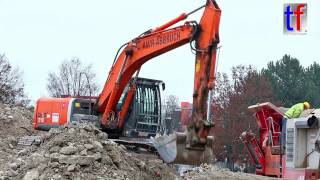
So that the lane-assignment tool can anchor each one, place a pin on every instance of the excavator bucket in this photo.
(172, 149)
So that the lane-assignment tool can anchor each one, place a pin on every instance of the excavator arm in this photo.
(203, 38)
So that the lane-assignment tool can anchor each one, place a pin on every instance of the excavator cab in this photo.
(144, 115)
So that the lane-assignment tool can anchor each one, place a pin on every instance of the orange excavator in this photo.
(194, 146)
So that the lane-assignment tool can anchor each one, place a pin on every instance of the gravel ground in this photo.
(208, 172)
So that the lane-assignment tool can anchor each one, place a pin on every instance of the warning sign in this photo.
(55, 117)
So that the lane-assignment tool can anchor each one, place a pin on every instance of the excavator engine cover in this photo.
(172, 149)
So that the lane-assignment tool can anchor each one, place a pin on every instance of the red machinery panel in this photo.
(266, 153)
(301, 174)
(51, 112)
(268, 117)
(186, 113)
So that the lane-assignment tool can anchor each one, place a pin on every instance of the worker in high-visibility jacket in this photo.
(294, 112)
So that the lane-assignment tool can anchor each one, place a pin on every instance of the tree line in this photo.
(292, 83)
(11, 84)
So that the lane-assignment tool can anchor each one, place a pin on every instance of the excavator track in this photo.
(142, 148)
(135, 143)
(28, 141)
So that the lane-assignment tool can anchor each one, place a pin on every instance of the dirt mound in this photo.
(82, 152)
(15, 121)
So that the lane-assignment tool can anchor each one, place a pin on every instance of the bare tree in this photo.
(172, 114)
(11, 84)
(74, 78)
(172, 103)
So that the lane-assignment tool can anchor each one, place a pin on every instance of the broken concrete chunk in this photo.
(86, 160)
(54, 149)
(13, 166)
(71, 168)
(83, 152)
(68, 150)
(34, 160)
(11, 173)
(32, 175)
(88, 146)
(88, 128)
(97, 156)
(54, 165)
(105, 159)
(103, 135)
(54, 157)
(71, 130)
(98, 146)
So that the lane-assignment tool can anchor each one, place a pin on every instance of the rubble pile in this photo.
(81, 151)
(15, 121)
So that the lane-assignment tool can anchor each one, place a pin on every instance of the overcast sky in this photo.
(37, 35)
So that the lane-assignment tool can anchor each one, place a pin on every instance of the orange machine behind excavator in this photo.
(203, 38)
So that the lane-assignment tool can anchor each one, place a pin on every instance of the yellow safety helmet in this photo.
(306, 105)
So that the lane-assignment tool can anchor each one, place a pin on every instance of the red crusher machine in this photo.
(300, 157)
